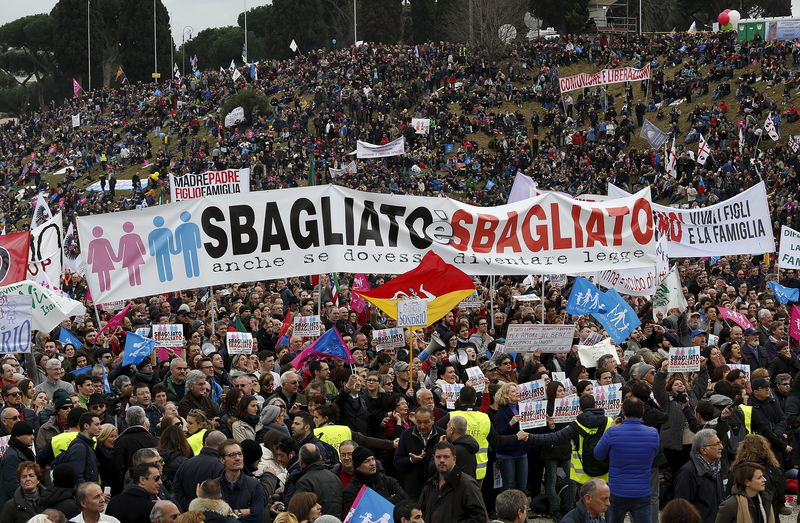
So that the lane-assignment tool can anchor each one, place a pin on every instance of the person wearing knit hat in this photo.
(643, 371)
(61, 494)
(19, 450)
(367, 473)
(272, 418)
(251, 454)
(57, 424)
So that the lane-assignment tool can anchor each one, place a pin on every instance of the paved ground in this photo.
(784, 519)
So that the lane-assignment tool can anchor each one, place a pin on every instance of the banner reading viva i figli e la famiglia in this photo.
(313, 230)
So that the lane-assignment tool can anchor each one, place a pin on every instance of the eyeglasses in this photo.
(372, 380)
(206, 367)
(234, 455)
(65, 407)
(712, 445)
(18, 393)
(156, 478)
(783, 384)
(12, 417)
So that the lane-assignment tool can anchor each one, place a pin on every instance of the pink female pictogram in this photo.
(101, 258)
(131, 251)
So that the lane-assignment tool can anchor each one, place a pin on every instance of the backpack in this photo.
(592, 466)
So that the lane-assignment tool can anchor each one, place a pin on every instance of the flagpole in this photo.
(411, 358)
(97, 315)
(491, 299)
(543, 299)
(213, 305)
(319, 297)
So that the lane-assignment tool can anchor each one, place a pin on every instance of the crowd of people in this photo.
(210, 436)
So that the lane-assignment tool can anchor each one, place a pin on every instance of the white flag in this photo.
(175, 71)
(232, 66)
(794, 143)
(293, 46)
(703, 151)
(76, 120)
(672, 161)
(221, 70)
(693, 28)
(236, 75)
(41, 213)
(669, 295)
(72, 254)
(741, 141)
(769, 126)
(234, 117)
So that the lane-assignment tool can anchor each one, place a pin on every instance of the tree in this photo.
(487, 18)
(251, 101)
(26, 50)
(136, 40)
(217, 47)
(423, 16)
(298, 20)
(566, 16)
(380, 21)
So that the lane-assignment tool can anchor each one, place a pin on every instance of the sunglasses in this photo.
(14, 394)
(65, 407)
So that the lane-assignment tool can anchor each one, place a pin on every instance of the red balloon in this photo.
(727, 11)
(723, 19)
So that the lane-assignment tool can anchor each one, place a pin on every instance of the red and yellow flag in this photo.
(442, 285)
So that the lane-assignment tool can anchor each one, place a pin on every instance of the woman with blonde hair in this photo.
(512, 460)
(103, 450)
(756, 449)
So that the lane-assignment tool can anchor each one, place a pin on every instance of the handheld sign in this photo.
(412, 313)
(531, 391)
(684, 359)
(532, 414)
(388, 339)
(306, 326)
(239, 342)
(169, 337)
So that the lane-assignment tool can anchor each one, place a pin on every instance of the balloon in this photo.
(727, 11)
(734, 17)
(723, 19)
(334, 41)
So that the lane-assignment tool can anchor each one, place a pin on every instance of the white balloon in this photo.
(734, 17)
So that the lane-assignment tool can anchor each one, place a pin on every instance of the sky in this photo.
(199, 14)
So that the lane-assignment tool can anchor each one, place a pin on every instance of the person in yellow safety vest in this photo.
(325, 417)
(590, 421)
(196, 426)
(60, 442)
(479, 426)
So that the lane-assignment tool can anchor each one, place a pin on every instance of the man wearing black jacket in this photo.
(197, 469)
(80, 453)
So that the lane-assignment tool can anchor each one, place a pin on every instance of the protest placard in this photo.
(169, 338)
(743, 366)
(451, 391)
(608, 398)
(15, 323)
(388, 338)
(239, 342)
(569, 388)
(590, 354)
(684, 359)
(566, 409)
(306, 326)
(477, 378)
(531, 391)
(473, 301)
(547, 338)
(412, 313)
(532, 414)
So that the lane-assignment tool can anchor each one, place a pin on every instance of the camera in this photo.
(681, 397)
(113, 401)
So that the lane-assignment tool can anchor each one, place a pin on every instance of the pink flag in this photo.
(794, 326)
(114, 322)
(76, 87)
(737, 317)
(360, 283)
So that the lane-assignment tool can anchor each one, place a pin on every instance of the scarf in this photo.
(252, 420)
(31, 498)
(743, 509)
(712, 469)
(26, 451)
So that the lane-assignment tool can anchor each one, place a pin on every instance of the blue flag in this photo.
(489, 185)
(252, 71)
(106, 386)
(620, 320)
(137, 348)
(585, 298)
(784, 294)
(82, 370)
(370, 506)
(65, 336)
(329, 345)
(197, 73)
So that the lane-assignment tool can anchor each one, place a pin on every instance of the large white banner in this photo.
(739, 225)
(327, 228)
(15, 323)
(393, 148)
(604, 77)
(209, 183)
(637, 282)
(45, 257)
(234, 117)
(789, 256)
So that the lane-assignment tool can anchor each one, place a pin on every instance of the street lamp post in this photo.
(183, 45)
(155, 45)
(355, 24)
(89, 39)
(245, 31)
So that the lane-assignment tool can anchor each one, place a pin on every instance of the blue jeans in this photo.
(639, 509)
(551, 467)
(514, 472)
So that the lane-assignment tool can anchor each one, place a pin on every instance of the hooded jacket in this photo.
(386, 486)
(466, 449)
(62, 499)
